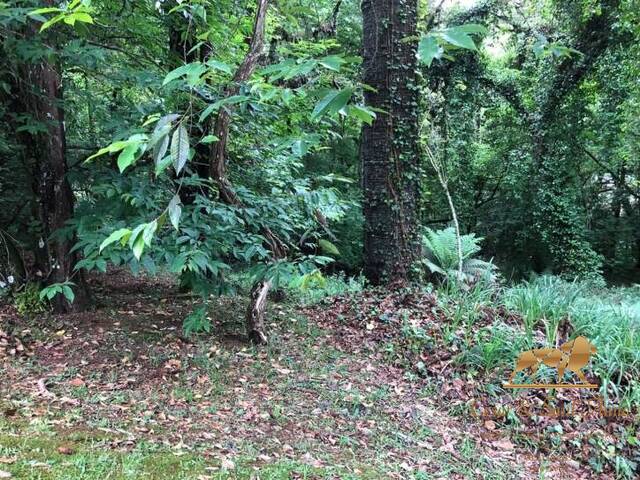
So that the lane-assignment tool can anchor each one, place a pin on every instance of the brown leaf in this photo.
(490, 425)
(77, 382)
(65, 450)
(503, 444)
(227, 464)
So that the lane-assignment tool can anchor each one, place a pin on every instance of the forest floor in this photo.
(120, 393)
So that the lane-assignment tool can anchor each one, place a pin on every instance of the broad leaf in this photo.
(209, 139)
(128, 156)
(192, 71)
(119, 235)
(328, 247)
(362, 113)
(180, 148)
(459, 38)
(215, 64)
(429, 49)
(175, 210)
(333, 102)
(332, 62)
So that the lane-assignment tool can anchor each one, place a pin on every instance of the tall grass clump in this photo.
(321, 286)
(610, 318)
(543, 302)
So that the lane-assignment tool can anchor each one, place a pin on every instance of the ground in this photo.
(121, 393)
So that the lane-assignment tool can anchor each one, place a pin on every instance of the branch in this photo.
(255, 312)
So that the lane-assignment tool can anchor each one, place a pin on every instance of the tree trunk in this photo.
(55, 197)
(389, 151)
(218, 170)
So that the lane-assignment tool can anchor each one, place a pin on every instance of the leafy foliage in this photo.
(441, 256)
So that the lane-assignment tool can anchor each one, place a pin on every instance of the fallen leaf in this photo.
(227, 464)
(77, 382)
(503, 444)
(65, 450)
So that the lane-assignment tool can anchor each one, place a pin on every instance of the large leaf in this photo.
(180, 148)
(362, 113)
(214, 107)
(333, 102)
(429, 49)
(121, 235)
(458, 37)
(332, 62)
(175, 210)
(216, 65)
(192, 71)
(328, 247)
(127, 156)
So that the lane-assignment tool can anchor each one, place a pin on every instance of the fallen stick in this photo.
(42, 389)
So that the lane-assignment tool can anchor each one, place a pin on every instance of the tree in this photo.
(389, 149)
(41, 93)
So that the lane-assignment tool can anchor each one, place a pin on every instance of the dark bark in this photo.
(43, 97)
(389, 149)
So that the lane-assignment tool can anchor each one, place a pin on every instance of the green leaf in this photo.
(328, 247)
(121, 234)
(192, 71)
(51, 22)
(459, 38)
(127, 157)
(233, 99)
(473, 28)
(175, 211)
(207, 111)
(332, 62)
(180, 148)
(68, 293)
(78, 17)
(333, 102)
(209, 139)
(428, 49)
(40, 11)
(138, 247)
(162, 165)
(160, 149)
(216, 65)
(362, 113)
(148, 232)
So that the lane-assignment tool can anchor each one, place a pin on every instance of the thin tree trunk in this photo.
(389, 149)
(254, 319)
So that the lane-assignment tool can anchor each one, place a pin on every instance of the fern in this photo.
(441, 256)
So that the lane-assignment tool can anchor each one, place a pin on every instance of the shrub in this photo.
(441, 257)
(28, 301)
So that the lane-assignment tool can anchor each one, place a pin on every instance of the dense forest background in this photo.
(397, 198)
(535, 132)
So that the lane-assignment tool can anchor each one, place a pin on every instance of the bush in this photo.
(28, 301)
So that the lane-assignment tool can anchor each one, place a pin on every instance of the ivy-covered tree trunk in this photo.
(558, 222)
(55, 198)
(389, 152)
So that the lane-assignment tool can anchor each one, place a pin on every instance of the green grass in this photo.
(609, 317)
(36, 457)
